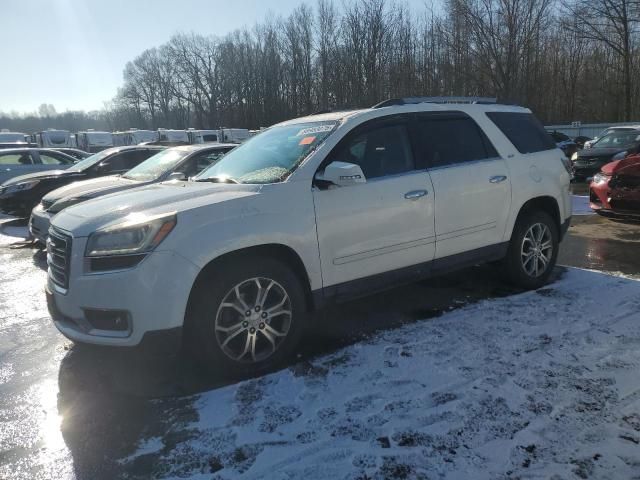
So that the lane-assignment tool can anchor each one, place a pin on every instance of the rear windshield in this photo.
(523, 130)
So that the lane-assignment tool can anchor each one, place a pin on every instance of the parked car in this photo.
(615, 190)
(587, 163)
(93, 141)
(606, 131)
(20, 195)
(309, 212)
(16, 162)
(52, 138)
(178, 163)
(564, 143)
(73, 152)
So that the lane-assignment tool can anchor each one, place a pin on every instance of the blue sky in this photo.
(71, 53)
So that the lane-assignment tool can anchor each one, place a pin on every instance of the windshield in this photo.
(156, 166)
(618, 139)
(90, 161)
(272, 155)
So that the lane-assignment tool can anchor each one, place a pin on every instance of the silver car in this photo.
(177, 163)
(15, 162)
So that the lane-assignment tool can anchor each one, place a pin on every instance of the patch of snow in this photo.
(580, 205)
(538, 385)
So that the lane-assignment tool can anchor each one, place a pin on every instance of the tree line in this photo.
(565, 59)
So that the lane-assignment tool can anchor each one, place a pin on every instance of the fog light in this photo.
(110, 320)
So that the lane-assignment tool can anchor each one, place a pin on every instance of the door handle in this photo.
(415, 194)
(498, 179)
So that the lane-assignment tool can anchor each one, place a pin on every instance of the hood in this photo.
(628, 166)
(152, 200)
(91, 188)
(35, 176)
(599, 152)
(610, 167)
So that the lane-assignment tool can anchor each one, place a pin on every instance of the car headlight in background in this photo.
(17, 187)
(131, 237)
(574, 157)
(600, 178)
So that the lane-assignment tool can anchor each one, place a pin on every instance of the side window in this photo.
(449, 141)
(50, 159)
(379, 151)
(523, 130)
(15, 159)
(196, 164)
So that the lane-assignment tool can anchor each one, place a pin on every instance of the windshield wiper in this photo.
(220, 179)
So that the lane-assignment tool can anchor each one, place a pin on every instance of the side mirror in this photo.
(177, 176)
(342, 174)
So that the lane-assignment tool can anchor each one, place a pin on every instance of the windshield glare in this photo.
(90, 161)
(272, 155)
(619, 139)
(156, 166)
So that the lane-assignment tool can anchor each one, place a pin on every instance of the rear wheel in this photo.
(247, 317)
(533, 250)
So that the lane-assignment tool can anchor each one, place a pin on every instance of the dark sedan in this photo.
(589, 162)
(19, 195)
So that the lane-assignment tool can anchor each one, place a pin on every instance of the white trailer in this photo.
(134, 137)
(52, 138)
(92, 141)
(203, 136)
(234, 135)
(168, 135)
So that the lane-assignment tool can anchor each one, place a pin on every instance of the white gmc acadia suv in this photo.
(311, 211)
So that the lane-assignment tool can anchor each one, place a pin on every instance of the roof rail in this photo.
(414, 100)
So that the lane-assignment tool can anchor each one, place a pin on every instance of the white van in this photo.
(93, 142)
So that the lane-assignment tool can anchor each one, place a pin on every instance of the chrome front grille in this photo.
(59, 257)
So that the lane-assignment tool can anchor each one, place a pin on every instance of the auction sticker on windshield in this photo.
(317, 129)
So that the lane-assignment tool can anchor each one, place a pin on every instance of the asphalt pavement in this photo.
(71, 412)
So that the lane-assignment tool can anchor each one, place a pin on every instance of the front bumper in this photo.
(618, 215)
(16, 203)
(153, 294)
(39, 223)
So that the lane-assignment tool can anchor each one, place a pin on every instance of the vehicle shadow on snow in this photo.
(108, 397)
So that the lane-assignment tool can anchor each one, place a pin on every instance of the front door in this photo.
(383, 225)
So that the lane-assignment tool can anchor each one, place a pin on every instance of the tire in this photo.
(524, 255)
(219, 333)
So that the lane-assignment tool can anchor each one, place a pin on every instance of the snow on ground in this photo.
(580, 204)
(539, 385)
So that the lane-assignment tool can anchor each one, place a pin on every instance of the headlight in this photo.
(574, 157)
(17, 187)
(131, 237)
(64, 203)
(600, 178)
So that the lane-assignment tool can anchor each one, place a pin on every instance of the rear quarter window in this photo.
(523, 130)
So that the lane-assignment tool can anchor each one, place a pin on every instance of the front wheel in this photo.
(533, 250)
(247, 317)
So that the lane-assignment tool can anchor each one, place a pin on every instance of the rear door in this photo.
(471, 184)
(13, 164)
(382, 225)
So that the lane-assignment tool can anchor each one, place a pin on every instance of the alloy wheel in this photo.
(537, 250)
(253, 320)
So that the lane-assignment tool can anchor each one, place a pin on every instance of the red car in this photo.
(615, 191)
